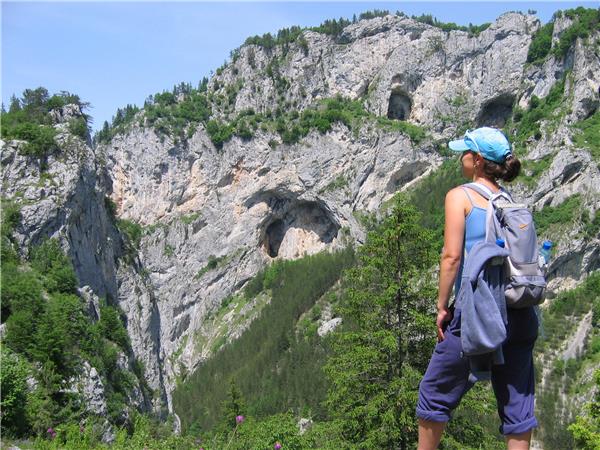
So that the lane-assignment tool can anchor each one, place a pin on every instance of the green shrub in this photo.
(49, 259)
(541, 43)
(587, 135)
(554, 215)
(219, 132)
(40, 138)
(112, 328)
(531, 170)
(528, 122)
(585, 22)
(11, 216)
(29, 119)
(132, 230)
(591, 224)
(13, 383)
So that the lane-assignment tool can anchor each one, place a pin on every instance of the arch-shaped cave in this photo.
(496, 112)
(305, 228)
(399, 106)
(405, 175)
(274, 234)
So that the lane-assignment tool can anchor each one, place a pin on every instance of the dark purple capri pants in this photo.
(447, 377)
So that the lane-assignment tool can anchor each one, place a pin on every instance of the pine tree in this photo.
(234, 406)
(15, 104)
(385, 345)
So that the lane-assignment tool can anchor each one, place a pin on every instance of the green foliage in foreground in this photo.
(384, 347)
(29, 119)
(387, 337)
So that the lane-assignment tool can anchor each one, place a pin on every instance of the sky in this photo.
(116, 53)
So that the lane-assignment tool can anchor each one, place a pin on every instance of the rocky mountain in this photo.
(210, 214)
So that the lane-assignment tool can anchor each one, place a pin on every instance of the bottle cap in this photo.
(500, 242)
(547, 245)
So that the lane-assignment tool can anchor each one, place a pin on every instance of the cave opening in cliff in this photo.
(274, 235)
(405, 175)
(306, 228)
(496, 112)
(399, 106)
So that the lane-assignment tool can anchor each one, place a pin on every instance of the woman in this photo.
(485, 158)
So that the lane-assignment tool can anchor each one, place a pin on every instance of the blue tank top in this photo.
(474, 232)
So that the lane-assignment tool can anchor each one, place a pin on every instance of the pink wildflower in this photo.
(277, 446)
(239, 419)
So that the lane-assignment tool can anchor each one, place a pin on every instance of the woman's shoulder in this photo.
(455, 194)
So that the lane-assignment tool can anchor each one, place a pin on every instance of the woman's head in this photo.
(486, 152)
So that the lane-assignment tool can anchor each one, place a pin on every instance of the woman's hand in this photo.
(444, 315)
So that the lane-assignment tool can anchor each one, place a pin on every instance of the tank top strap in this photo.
(468, 195)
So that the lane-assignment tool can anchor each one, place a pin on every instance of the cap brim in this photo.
(458, 146)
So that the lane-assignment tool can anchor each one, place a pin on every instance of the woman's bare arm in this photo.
(454, 230)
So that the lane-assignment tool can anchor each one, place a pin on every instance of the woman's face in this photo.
(467, 160)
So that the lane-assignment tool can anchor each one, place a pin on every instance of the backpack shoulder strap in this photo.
(484, 191)
(487, 193)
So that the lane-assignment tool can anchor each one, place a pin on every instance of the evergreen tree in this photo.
(234, 406)
(385, 345)
(15, 104)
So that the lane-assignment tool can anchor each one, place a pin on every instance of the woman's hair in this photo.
(507, 171)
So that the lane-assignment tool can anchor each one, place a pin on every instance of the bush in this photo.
(539, 110)
(219, 132)
(133, 231)
(40, 138)
(79, 127)
(585, 22)
(541, 43)
(13, 381)
(554, 215)
(49, 259)
(111, 326)
(29, 119)
(587, 135)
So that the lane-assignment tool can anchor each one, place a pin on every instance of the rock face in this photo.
(67, 201)
(213, 217)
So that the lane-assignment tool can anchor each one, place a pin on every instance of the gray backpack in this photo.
(513, 223)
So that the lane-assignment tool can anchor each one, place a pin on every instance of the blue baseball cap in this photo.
(488, 142)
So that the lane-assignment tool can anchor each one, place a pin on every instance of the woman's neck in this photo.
(486, 181)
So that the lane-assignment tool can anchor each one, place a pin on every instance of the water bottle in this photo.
(544, 254)
(498, 260)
